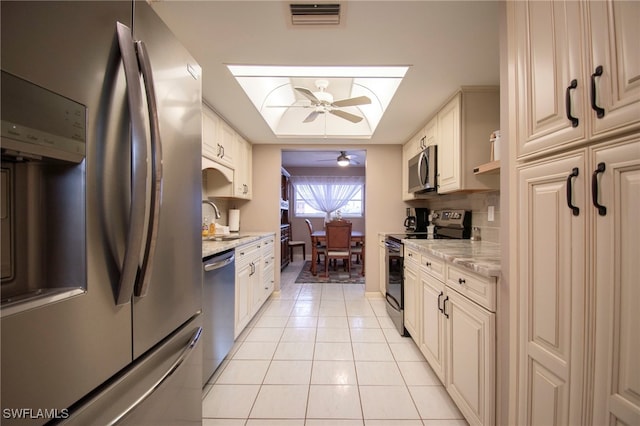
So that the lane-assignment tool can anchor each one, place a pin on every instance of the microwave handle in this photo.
(423, 179)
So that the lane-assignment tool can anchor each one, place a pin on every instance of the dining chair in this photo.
(320, 248)
(338, 244)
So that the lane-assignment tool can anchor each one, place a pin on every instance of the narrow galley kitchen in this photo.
(324, 354)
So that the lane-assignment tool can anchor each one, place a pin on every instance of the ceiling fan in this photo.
(322, 102)
(345, 159)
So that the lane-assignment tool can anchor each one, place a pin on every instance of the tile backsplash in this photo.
(479, 204)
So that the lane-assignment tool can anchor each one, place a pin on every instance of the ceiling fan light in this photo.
(343, 159)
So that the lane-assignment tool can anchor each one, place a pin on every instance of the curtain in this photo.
(327, 193)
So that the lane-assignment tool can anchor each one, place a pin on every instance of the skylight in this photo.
(351, 103)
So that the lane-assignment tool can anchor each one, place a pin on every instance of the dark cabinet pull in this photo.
(439, 297)
(444, 307)
(428, 264)
(461, 281)
(599, 111)
(574, 120)
(602, 210)
(575, 209)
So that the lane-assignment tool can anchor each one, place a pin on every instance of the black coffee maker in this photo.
(417, 219)
(410, 221)
(422, 219)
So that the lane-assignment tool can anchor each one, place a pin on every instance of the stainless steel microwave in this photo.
(422, 170)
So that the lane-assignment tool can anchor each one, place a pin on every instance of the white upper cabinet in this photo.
(578, 72)
(464, 127)
(232, 155)
(614, 45)
(242, 177)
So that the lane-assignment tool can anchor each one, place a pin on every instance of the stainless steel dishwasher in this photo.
(218, 279)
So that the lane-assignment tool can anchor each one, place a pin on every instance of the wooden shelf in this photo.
(490, 168)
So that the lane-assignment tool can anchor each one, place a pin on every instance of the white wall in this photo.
(384, 208)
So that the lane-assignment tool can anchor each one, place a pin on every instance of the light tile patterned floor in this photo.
(324, 355)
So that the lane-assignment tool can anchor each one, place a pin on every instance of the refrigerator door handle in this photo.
(135, 236)
(188, 350)
(153, 218)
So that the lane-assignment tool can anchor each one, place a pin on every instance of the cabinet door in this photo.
(210, 123)
(471, 358)
(551, 256)
(431, 132)
(615, 46)
(242, 175)
(243, 298)
(617, 293)
(549, 58)
(226, 139)
(432, 341)
(449, 147)
(411, 300)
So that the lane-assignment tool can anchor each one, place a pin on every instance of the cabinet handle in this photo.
(574, 209)
(602, 210)
(599, 111)
(440, 296)
(461, 281)
(574, 120)
(444, 307)
(428, 264)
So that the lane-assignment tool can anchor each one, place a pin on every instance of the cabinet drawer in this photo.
(432, 265)
(481, 290)
(411, 255)
(247, 253)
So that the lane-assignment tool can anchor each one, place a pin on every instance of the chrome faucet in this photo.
(215, 208)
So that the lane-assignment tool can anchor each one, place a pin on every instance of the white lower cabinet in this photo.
(254, 279)
(432, 339)
(578, 262)
(411, 293)
(471, 356)
(456, 334)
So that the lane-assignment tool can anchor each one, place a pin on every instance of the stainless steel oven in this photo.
(393, 259)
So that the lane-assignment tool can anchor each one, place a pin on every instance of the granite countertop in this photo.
(221, 243)
(480, 257)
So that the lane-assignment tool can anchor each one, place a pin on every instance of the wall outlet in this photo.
(490, 214)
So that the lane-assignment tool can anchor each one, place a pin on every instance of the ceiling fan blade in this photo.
(346, 115)
(311, 117)
(360, 100)
(308, 94)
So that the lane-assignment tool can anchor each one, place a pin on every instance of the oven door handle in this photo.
(393, 302)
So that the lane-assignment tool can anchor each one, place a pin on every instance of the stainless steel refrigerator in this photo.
(101, 191)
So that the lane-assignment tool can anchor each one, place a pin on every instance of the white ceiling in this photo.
(446, 44)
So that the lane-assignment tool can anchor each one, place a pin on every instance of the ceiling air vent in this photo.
(315, 14)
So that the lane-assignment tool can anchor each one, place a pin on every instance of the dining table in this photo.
(318, 237)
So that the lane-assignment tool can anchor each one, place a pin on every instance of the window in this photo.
(324, 196)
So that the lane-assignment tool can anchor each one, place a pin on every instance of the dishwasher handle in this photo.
(208, 267)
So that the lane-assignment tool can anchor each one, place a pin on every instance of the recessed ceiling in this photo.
(328, 102)
(446, 44)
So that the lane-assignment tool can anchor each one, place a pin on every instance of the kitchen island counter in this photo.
(480, 257)
(221, 243)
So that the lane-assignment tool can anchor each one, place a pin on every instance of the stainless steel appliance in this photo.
(422, 170)
(450, 224)
(393, 259)
(101, 280)
(219, 295)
